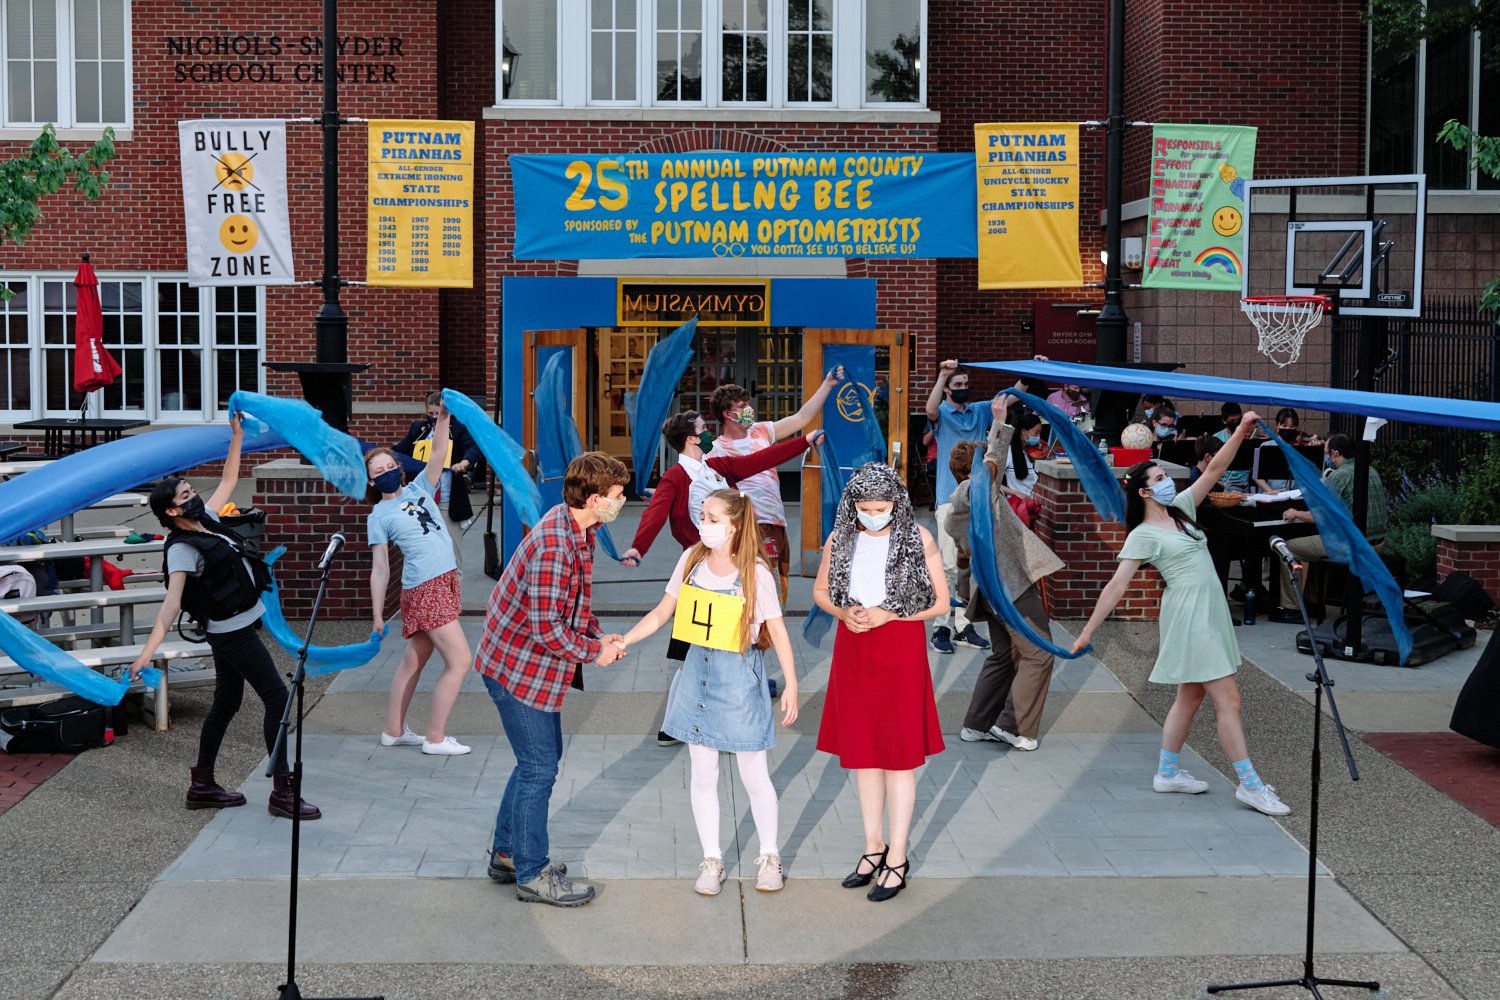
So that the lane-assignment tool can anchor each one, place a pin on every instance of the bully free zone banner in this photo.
(234, 196)
(895, 204)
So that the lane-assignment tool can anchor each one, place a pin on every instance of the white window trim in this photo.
(208, 413)
(67, 105)
(575, 42)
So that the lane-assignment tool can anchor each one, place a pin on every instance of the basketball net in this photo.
(1283, 321)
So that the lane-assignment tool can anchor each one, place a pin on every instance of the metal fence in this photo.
(1452, 351)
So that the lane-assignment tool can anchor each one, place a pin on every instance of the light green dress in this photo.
(1197, 632)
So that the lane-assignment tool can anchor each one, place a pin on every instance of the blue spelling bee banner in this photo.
(745, 205)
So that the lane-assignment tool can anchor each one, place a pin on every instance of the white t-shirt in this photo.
(702, 480)
(1021, 486)
(867, 569)
(766, 604)
(763, 488)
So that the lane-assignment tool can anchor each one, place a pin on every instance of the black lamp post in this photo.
(1112, 322)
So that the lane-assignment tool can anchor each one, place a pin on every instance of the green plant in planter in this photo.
(1418, 506)
(1480, 486)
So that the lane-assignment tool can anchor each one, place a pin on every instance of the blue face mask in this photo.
(1150, 410)
(1033, 441)
(1327, 460)
(1164, 492)
(1163, 431)
(874, 522)
(388, 482)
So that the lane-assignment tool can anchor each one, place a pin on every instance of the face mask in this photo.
(958, 396)
(746, 417)
(388, 482)
(1032, 442)
(1150, 410)
(1072, 394)
(611, 510)
(715, 536)
(874, 522)
(1163, 431)
(1164, 492)
(193, 510)
(1327, 461)
(1230, 425)
(706, 440)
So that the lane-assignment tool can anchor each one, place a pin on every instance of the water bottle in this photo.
(1104, 452)
(1249, 618)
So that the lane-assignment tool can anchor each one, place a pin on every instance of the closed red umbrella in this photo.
(93, 368)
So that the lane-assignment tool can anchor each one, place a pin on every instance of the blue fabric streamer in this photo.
(1344, 542)
(875, 449)
(1097, 477)
(557, 438)
(37, 656)
(320, 659)
(506, 458)
(987, 575)
(665, 365)
(336, 454)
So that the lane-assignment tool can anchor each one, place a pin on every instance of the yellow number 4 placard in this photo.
(705, 618)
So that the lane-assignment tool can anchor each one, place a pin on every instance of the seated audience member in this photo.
(1286, 428)
(1163, 425)
(1207, 448)
(1071, 400)
(1020, 475)
(1147, 406)
(1237, 480)
(1339, 456)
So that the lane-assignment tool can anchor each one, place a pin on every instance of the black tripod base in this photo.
(1308, 983)
(289, 991)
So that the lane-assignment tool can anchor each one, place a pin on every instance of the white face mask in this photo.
(874, 522)
(611, 509)
(715, 536)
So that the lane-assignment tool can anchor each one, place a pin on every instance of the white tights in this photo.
(755, 775)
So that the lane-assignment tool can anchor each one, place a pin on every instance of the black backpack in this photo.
(67, 725)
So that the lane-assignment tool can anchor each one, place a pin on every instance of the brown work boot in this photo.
(204, 792)
(280, 803)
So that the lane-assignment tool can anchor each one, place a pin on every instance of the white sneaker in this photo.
(1179, 782)
(770, 878)
(1264, 800)
(449, 747)
(406, 739)
(1019, 742)
(975, 736)
(710, 877)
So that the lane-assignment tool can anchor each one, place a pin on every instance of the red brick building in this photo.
(561, 76)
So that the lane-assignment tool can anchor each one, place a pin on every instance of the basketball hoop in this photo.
(1283, 322)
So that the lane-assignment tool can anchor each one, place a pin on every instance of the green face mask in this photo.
(706, 440)
(746, 417)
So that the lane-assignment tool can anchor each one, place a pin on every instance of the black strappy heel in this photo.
(880, 893)
(855, 880)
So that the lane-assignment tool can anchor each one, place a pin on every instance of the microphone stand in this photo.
(1310, 980)
(289, 990)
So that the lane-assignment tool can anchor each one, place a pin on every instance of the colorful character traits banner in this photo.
(234, 202)
(419, 230)
(1028, 205)
(1195, 233)
(894, 204)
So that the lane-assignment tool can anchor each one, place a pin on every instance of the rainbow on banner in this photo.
(1219, 257)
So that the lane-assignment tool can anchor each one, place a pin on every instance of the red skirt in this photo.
(879, 711)
(432, 604)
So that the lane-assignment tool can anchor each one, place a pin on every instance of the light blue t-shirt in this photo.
(1234, 480)
(972, 423)
(413, 522)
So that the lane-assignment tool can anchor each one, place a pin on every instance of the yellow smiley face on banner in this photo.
(705, 618)
(239, 234)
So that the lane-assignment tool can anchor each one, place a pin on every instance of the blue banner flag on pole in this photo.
(506, 458)
(1344, 542)
(987, 575)
(334, 453)
(557, 438)
(665, 365)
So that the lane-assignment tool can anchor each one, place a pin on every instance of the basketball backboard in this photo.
(1358, 240)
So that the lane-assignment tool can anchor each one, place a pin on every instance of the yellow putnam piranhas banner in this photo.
(234, 202)
(705, 618)
(420, 224)
(1027, 176)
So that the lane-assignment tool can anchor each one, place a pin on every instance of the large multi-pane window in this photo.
(713, 53)
(66, 62)
(1414, 90)
(182, 350)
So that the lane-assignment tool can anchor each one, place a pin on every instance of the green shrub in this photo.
(1415, 544)
(1413, 513)
(1479, 488)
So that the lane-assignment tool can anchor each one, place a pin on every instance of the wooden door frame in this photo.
(814, 340)
(578, 340)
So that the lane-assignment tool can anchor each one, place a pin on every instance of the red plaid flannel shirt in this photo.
(541, 624)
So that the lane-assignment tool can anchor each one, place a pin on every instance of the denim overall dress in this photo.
(720, 700)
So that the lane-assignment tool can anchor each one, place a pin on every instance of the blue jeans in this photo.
(536, 740)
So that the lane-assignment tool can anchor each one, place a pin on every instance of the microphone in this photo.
(1279, 546)
(334, 544)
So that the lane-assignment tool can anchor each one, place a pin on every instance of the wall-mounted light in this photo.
(1132, 253)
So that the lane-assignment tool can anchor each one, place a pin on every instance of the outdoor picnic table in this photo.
(65, 435)
(10, 448)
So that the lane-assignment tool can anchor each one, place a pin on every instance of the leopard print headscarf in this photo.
(908, 588)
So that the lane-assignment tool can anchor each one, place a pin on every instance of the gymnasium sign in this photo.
(672, 303)
(234, 199)
(419, 225)
(886, 204)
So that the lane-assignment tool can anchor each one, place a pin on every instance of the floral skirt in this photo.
(431, 604)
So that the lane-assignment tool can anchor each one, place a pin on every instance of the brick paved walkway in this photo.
(23, 772)
(1463, 769)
